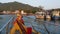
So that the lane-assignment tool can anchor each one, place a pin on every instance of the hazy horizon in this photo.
(47, 4)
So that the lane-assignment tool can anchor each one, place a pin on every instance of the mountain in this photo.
(16, 6)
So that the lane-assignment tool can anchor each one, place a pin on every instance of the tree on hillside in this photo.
(34, 11)
(11, 6)
(27, 11)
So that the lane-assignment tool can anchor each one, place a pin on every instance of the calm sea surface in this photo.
(4, 19)
(43, 26)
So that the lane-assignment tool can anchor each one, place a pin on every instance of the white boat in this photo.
(40, 16)
(48, 17)
(56, 17)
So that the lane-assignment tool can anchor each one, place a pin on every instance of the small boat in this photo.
(39, 16)
(48, 17)
(56, 17)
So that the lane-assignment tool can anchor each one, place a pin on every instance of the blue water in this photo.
(39, 25)
(4, 19)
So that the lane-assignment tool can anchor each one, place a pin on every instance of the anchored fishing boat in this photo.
(48, 17)
(40, 15)
(56, 17)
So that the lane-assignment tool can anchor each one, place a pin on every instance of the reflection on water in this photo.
(43, 26)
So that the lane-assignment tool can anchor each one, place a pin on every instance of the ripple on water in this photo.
(5, 19)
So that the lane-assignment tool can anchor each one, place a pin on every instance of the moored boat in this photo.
(39, 16)
(48, 17)
(56, 17)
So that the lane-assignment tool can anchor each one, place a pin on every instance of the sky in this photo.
(47, 4)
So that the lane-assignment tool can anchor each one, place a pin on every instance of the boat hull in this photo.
(40, 17)
(56, 17)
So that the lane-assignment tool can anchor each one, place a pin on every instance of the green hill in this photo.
(16, 6)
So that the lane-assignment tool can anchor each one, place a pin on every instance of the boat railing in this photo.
(7, 27)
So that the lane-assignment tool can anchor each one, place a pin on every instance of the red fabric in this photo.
(22, 21)
(29, 30)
